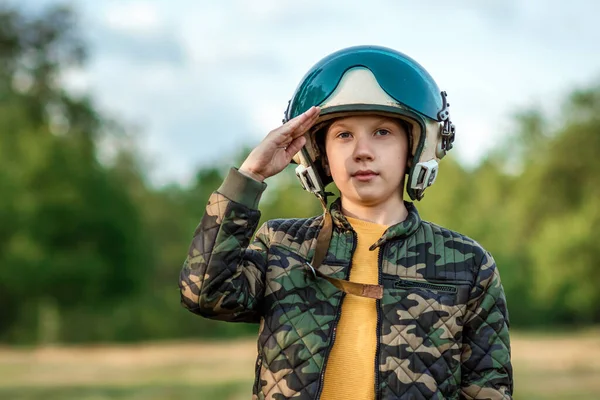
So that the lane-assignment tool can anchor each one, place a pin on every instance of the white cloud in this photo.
(138, 17)
(204, 77)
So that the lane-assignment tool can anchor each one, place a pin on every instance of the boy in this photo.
(366, 301)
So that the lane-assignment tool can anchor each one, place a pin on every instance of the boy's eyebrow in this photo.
(339, 125)
(385, 120)
(380, 121)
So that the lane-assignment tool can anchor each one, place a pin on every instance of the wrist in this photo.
(251, 174)
(242, 189)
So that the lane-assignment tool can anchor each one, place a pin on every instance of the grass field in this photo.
(546, 367)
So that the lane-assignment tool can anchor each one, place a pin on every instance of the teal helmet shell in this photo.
(413, 96)
(401, 77)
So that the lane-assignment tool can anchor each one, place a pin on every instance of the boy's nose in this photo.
(363, 151)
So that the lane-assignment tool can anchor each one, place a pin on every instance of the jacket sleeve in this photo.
(486, 355)
(223, 275)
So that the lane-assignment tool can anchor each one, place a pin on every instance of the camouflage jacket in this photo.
(442, 321)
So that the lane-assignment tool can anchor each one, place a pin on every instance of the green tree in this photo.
(70, 235)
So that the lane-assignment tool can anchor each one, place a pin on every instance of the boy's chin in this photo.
(369, 197)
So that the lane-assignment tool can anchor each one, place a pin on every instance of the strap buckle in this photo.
(312, 269)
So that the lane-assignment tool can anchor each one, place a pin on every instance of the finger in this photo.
(311, 112)
(292, 125)
(302, 128)
(295, 146)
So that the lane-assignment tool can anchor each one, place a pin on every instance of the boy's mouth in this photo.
(364, 175)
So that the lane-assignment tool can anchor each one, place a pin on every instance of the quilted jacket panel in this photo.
(443, 321)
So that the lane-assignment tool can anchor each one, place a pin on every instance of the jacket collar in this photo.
(400, 230)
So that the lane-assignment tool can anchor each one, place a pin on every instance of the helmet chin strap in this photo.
(312, 183)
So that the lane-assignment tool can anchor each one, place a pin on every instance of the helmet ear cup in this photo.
(424, 175)
(421, 177)
(309, 179)
(309, 173)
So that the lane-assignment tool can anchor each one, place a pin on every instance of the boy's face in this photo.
(367, 158)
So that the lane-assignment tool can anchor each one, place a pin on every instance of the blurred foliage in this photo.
(91, 251)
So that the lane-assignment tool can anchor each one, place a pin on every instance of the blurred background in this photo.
(119, 118)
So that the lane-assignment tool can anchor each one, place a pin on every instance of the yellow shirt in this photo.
(350, 371)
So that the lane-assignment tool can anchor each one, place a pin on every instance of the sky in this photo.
(198, 79)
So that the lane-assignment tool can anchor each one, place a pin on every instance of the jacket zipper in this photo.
(334, 330)
(407, 284)
(378, 334)
(257, 374)
(335, 323)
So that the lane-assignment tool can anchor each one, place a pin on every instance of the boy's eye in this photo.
(344, 135)
(382, 132)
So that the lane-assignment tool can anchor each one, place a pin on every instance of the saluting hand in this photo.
(276, 150)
